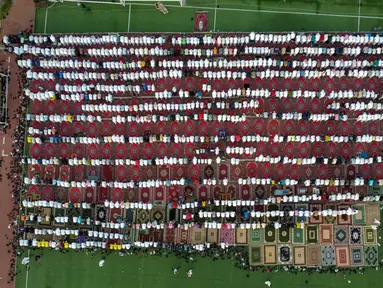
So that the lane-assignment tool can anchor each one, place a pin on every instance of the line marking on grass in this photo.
(359, 16)
(130, 10)
(215, 14)
(27, 275)
(235, 9)
(46, 17)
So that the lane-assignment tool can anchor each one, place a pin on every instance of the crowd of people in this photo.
(14, 171)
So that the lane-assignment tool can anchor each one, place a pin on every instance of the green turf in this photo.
(57, 270)
(231, 15)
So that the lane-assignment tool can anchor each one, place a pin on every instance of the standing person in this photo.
(190, 273)
(268, 283)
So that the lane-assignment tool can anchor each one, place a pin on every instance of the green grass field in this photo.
(57, 270)
(224, 15)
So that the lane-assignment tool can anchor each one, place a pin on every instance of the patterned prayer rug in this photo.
(285, 255)
(371, 257)
(198, 235)
(286, 218)
(182, 236)
(169, 235)
(312, 234)
(157, 214)
(241, 236)
(298, 236)
(359, 218)
(284, 235)
(273, 207)
(143, 216)
(342, 256)
(328, 256)
(255, 255)
(344, 219)
(369, 236)
(329, 219)
(314, 257)
(341, 235)
(356, 254)
(130, 215)
(299, 255)
(256, 235)
(212, 235)
(326, 233)
(270, 235)
(356, 235)
(316, 219)
(301, 207)
(201, 21)
(372, 213)
(270, 255)
(227, 236)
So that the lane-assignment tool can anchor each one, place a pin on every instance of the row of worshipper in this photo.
(56, 231)
(358, 181)
(277, 213)
(219, 39)
(53, 244)
(358, 106)
(153, 106)
(313, 160)
(56, 118)
(105, 235)
(207, 39)
(52, 204)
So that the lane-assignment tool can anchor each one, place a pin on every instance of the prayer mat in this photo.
(326, 233)
(312, 234)
(270, 236)
(227, 236)
(169, 235)
(372, 213)
(159, 195)
(298, 236)
(359, 218)
(201, 21)
(182, 236)
(130, 215)
(212, 235)
(286, 218)
(145, 194)
(356, 235)
(158, 214)
(256, 235)
(89, 194)
(270, 255)
(285, 255)
(241, 236)
(198, 235)
(301, 207)
(344, 219)
(314, 257)
(371, 256)
(328, 256)
(273, 207)
(115, 215)
(131, 195)
(330, 219)
(342, 256)
(284, 235)
(143, 216)
(299, 255)
(101, 213)
(103, 194)
(357, 257)
(223, 171)
(316, 219)
(341, 235)
(369, 236)
(255, 255)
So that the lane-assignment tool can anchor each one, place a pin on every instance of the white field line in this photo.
(46, 17)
